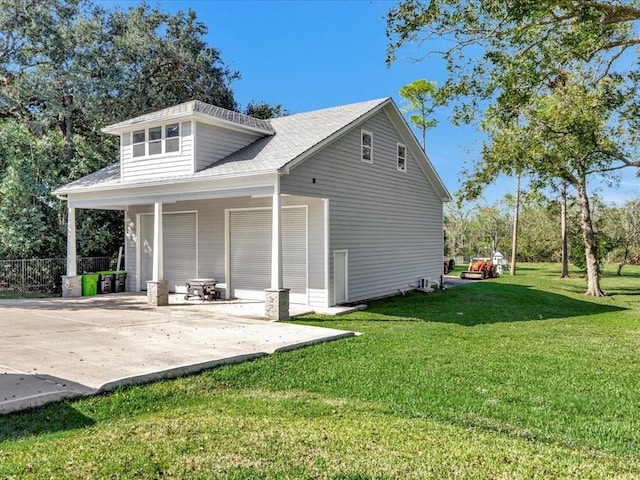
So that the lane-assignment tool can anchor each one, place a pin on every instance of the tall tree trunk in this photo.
(623, 262)
(563, 226)
(590, 244)
(67, 127)
(514, 236)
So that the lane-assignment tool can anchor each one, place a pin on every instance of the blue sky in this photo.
(308, 55)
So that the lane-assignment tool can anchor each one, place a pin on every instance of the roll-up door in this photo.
(180, 245)
(250, 252)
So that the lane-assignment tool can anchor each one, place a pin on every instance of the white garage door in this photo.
(180, 244)
(250, 252)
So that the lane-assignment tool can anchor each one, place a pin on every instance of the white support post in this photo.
(71, 282)
(158, 254)
(277, 297)
(157, 287)
(72, 263)
(276, 239)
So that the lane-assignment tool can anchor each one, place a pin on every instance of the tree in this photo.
(457, 226)
(567, 135)
(539, 237)
(68, 68)
(28, 217)
(623, 227)
(421, 97)
(494, 223)
(265, 110)
(564, 232)
(504, 51)
(603, 244)
(523, 54)
(514, 234)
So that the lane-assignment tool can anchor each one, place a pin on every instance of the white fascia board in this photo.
(410, 141)
(129, 127)
(125, 195)
(185, 116)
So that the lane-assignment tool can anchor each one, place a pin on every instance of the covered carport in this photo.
(104, 190)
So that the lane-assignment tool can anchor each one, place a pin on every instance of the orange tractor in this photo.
(479, 269)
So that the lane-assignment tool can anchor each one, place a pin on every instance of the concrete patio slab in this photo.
(52, 349)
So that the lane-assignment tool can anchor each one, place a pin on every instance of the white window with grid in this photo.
(366, 145)
(402, 158)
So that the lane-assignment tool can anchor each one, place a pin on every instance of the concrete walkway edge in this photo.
(176, 372)
(59, 348)
(33, 390)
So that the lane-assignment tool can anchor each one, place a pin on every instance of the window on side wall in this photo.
(139, 143)
(172, 137)
(402, 158)
(155, 140)
(366, 146)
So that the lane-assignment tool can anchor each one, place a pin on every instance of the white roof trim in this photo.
(416, 150)
(398, 121)
(195, 109)
(295, 141)
(333, 137)
(135, 194)
(159, 182)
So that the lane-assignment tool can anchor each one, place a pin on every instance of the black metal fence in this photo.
(43, 275)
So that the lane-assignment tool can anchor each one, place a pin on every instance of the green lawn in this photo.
(519, 377)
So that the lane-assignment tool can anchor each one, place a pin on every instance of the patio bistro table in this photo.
(205, 288)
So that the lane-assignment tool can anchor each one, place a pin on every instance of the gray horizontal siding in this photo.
(389, 221)
(211, 235)
(215, 143)
(144, 168)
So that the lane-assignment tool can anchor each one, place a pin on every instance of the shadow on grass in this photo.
(56, 417)
(479, 304)
(624, 291)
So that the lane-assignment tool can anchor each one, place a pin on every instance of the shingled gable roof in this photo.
(296, 138)
(199, 109)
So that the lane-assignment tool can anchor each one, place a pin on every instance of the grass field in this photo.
(519, 377)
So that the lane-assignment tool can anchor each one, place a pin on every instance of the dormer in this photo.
(182, 140)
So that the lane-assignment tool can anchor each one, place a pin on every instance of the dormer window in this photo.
(156, 140)
(139, 143)
(172, 137)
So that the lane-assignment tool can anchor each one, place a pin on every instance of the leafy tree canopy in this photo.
(421, 98)
(508, 50)
(68, 68)
(542, 75)
(265, 110)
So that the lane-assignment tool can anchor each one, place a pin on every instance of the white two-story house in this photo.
(322, 208)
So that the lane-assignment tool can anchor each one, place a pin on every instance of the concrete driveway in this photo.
(52, 349)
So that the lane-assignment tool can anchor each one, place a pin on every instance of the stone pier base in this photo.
(276, 304)
(158, 293)
(71, 286)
